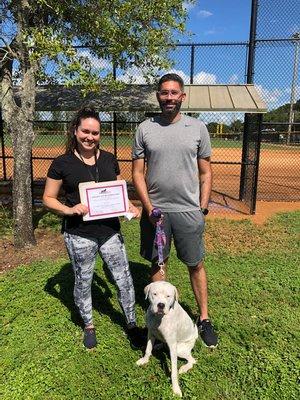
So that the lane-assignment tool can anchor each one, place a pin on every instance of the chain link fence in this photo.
(277, 19)
(275, 76)
(117, 132)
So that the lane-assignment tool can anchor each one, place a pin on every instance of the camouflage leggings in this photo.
(82, 253)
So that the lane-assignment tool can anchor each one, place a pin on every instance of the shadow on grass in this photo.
(141, 278)
(61, 287)
(188, 309)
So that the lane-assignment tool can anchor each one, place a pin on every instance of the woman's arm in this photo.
(50, 200)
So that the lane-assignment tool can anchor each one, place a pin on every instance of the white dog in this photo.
(167, 321)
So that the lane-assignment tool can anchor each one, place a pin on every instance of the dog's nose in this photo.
(161, 305)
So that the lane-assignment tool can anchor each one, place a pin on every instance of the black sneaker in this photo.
(206, 331)
(137, 336)
(89, 338)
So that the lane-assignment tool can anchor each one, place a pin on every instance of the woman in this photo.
(84, 162)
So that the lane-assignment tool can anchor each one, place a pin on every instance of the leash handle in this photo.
(156, 213)
(160, 238)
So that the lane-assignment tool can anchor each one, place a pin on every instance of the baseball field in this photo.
(279, 175)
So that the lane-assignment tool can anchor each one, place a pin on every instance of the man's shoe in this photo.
(89, 338)
(137, 336)
(206, 331)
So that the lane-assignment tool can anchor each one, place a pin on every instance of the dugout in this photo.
(201, 99)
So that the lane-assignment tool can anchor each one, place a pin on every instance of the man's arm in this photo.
(138, 177)
(205, 176)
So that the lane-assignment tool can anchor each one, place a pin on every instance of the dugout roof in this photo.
(234, 98)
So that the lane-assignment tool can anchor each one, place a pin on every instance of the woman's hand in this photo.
(134, 210)
(79, 209)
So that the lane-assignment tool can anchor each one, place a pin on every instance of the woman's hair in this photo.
(83, 113)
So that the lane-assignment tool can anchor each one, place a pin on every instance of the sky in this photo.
(218, 21)
(210, 21)
(228, 21)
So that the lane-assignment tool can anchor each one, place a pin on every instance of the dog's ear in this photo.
(176, 295)
(146, 290)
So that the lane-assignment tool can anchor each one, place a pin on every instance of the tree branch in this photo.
(8, 47)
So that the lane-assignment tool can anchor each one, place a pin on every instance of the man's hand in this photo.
(155, 217)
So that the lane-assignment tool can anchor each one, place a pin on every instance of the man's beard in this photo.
(170, 111)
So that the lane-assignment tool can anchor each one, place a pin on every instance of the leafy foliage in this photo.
(125, 33)
(254, 301)
(50, 221)
(281, 114)
(44, 39)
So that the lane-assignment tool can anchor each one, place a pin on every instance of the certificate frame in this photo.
(104, 199)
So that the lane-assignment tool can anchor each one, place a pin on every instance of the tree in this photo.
(212, 127)
(281, 115)
(39, 33)
(237, 126)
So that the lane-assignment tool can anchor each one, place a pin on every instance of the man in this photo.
(177, 150)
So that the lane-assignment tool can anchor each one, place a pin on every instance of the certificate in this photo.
(104, 199)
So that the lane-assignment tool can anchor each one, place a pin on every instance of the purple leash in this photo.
(160, 238)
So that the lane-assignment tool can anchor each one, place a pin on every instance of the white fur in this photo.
(170, 324)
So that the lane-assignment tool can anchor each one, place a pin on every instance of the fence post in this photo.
(250, 74)
(296, 41)
(32, 180)
(252, 41)
(2, 147)
(115, 133)
(256, 166)
(114, 114)
(192, 64)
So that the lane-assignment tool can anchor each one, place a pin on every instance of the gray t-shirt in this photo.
(171, 152)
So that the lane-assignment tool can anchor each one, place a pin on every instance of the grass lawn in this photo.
(254, 282)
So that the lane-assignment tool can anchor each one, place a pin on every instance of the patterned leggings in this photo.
(82, 253)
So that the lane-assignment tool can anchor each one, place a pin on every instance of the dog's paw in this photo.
(184, 368)
(176, 390)
(142, 361)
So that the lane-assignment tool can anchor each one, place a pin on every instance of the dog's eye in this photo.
(154, 294)
(168, 295)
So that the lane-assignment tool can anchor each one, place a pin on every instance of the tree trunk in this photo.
(19, 121)
(22, 191)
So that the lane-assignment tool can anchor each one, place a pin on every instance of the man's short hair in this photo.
(170, 77)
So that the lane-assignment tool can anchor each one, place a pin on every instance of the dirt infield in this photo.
(279, 176)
